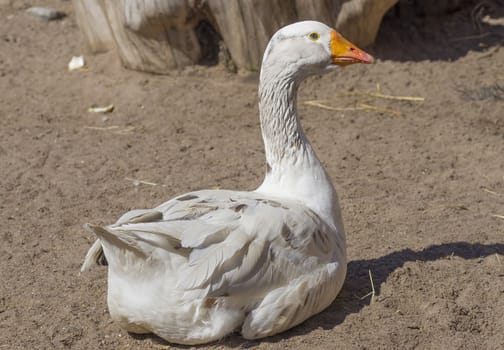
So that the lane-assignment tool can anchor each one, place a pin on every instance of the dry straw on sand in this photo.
(365, 105)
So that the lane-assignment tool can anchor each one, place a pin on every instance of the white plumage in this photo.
(207, 263)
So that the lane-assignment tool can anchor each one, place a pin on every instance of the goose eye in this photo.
(314, 36)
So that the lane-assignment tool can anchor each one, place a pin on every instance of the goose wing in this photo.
(231, 242)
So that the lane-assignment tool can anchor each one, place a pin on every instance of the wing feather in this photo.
(206, 266)
(233, 242)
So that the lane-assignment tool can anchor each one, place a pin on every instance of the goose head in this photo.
(309, 47)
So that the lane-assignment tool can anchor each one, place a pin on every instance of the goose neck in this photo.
(284, 139)
(293, 169)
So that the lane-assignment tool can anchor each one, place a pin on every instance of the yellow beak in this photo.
(344, 53)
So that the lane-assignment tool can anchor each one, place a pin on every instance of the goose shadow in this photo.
(357, 284)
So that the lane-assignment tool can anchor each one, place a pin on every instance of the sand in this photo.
(421, 183)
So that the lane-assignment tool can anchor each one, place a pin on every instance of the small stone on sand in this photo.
(46, 13)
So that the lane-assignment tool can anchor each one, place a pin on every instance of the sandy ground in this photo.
(421, 183)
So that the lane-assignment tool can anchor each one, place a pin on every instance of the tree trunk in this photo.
(153, 35)
(246, 26)
(160, 35)
(93, 24)
(359, 20)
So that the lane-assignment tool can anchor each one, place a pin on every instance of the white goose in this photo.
(207, 263)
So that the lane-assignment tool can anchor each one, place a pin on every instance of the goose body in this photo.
(210, 262)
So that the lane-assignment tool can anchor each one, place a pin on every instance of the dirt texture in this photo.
(421, 183)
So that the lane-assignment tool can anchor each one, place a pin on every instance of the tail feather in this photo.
(94, 256)
(121, 240)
